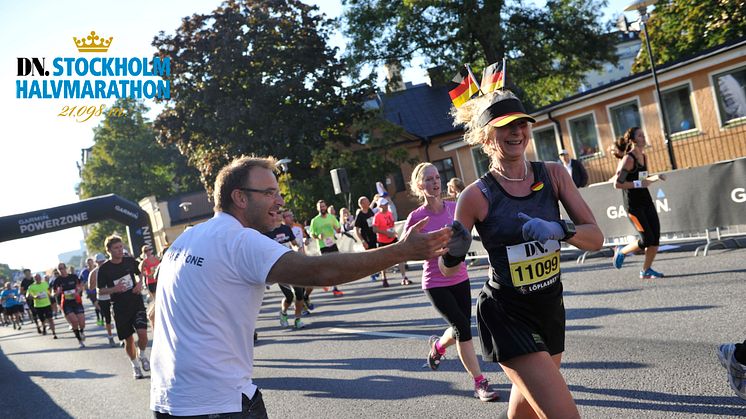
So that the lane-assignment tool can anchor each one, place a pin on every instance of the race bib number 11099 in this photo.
(533, 263)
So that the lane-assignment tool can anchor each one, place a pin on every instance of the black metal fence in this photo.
(693, 150)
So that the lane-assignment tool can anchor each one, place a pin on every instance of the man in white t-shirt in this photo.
(203, 348)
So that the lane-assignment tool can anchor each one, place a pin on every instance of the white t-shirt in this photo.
(210, 289)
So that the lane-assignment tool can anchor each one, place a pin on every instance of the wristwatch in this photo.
(568, 227)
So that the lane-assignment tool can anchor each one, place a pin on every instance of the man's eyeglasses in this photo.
(269, 192)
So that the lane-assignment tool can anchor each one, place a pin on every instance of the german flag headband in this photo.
(503, 111)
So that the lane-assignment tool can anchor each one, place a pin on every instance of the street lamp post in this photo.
(641, 7)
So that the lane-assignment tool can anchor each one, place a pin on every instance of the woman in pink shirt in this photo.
(451, 296)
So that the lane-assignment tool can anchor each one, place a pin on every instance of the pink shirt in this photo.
(431, 276)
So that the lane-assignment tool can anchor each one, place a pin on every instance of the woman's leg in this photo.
(538, 388)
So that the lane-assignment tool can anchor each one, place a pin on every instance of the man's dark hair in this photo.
(235, 175)
(111, 240)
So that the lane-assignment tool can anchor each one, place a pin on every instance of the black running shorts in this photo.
(292, 293)
(105, 307)
(512, 324)
(129, 319)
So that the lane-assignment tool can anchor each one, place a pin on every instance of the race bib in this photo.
(126, 280)
(533, 265)
(370, 222)
(41, 294)
(69, 293)
(329, 241)
(642, 175)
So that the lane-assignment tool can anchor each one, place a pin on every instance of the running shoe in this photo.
(54, 336)
(650, 274)
(618, 257)
(433, 357)
(38, 329)
(145, 363)
(337, 293)
(374, 277)
(406, 281)
(81, 345)
(736, 370)
(299, 324)
(308, 305)
(112, 343)
(283, 319)
(482, 391)
(44, 332)
(82, 335)
(136, 372)
(99, 322)
(385, 283)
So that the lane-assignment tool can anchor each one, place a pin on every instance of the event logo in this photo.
(661, 205)
(98, 77)
(738, 195)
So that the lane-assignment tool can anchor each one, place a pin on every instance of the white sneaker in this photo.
(483, 392)
(136, 372)
(82, 336)
(299, 324)
(145, 364)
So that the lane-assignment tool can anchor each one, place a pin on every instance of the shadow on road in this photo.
(591, 313)
(652, 401)
(20, 390)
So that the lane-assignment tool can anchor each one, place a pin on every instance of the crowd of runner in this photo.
(514, 207)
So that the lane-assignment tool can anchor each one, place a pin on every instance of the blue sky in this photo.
(38, 149)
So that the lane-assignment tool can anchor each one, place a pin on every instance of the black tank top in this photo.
(637, 197)
(526, 266)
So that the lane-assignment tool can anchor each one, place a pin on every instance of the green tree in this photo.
(547, 49)
(679, 28)
(126, 160)
(257, 77)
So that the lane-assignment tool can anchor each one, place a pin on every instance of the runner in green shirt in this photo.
(323, 227)
(39, 290)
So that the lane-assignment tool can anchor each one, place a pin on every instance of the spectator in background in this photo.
(455, 187)
(574, 168)
(347, 222)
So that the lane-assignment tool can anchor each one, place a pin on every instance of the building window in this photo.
(481, 161)
(583, 134)
(624, 117)
(730, 90)
(446, 171)
(399, 181)
(678, 109)
(545, 144)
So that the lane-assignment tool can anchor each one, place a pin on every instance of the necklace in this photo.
(525, 174)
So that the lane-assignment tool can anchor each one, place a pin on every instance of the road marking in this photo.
(382, 334)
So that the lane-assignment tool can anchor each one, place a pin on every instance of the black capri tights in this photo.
(647, 224)
(454, 304)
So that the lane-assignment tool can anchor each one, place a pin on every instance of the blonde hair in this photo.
(418, 174)
(468, 116)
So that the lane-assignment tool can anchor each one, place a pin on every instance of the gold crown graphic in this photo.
(92, 43)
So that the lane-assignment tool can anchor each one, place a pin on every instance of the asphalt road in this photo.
(635, 348)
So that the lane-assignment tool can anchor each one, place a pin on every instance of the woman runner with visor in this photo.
(514, 207)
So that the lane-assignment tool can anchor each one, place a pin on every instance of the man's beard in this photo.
(323, 212)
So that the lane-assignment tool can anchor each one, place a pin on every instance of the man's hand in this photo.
(422, 246)
(540, 230)
(120, 287)
(137, 288)
(460, 242)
